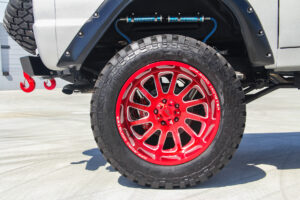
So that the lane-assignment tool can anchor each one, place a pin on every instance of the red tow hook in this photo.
(52, 84)
(31, 83)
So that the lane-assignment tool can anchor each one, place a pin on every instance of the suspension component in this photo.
(170, 19)
(196, 20)
(30, 81)
(142, 19)
(185, 19)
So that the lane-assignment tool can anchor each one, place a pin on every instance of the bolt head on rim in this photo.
(168, 113)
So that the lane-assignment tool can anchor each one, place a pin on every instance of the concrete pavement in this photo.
(47, 152)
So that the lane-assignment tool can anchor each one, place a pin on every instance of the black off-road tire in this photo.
(18, 22)
(154, 49)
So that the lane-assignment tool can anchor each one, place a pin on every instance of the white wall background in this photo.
(2, 7)
(10, 58)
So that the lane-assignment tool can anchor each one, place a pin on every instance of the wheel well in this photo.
(227, 40)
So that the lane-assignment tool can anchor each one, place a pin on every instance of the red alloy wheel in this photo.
(168, 113)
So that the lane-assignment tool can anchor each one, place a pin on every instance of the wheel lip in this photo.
(211, 88)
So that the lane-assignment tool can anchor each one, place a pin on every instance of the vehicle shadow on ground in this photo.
(95, 162)
(280, 150)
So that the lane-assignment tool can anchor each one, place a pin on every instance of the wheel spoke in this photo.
(173, 83)
(158, 85)
(140, 121)
(186, 90)
(145, 93)
(148, 134)
(194, 103)
(162, 140)
(138, 106)
(177, 139)
(189, 130)
(196, 117)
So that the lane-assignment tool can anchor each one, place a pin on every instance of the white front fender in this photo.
(56, 23)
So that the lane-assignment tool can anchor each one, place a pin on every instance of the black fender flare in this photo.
(256, 41)
(257, 44)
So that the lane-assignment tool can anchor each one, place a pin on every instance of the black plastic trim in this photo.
(258, 48)
(34, 66)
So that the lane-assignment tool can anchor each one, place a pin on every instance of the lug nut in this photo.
(156, 111)
(171, 103)
(163, 123)
(176, 119)
(164, 101)
(177, 106)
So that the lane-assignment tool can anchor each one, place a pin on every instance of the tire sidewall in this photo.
(207, 62)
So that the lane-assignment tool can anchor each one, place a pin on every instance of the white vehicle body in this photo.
(57, 23)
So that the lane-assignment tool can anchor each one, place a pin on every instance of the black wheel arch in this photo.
(258, 47)
(256, 42)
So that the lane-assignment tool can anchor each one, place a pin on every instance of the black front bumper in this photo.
(34, 66)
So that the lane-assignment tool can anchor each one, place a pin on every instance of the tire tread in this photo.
(18, 22)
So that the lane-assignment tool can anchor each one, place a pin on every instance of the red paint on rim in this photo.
(168, 113)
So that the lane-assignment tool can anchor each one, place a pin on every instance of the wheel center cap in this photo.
(167, 112)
